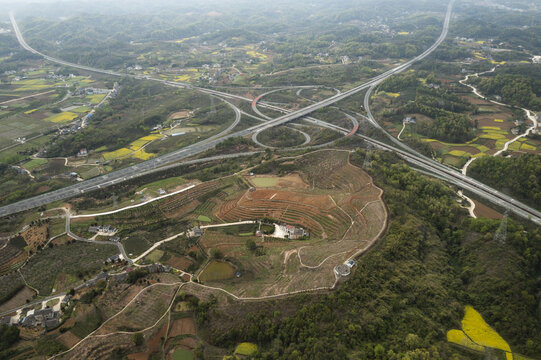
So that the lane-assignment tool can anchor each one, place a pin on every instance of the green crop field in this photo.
(204, 218)
(34, 163)
(182, 354)
(154, 256)
(264, 181)
(217, 270)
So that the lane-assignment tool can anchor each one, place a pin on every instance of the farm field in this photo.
(334, 201)
(150, 306)
(20, 298)
(135, 149)
(246, 349)
(477, 335)
(182, 354)
(342, 211)
(63, 117)
(34, 163)
(65, 265)
(493, 128)
(217, 270)
(264, 181)
(140, 227)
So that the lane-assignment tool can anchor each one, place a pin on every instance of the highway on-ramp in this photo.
(192, 150)
(157, 163)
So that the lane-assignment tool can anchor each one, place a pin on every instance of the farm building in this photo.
(113, 259)
(195, 232)
(44, 317)
(293, 232)
(409, 120)
(106, 229)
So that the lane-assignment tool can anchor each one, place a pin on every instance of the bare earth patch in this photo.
(185, 326)
(482, 210)
(19, 299)
(68, 339)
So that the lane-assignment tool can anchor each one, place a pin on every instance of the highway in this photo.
(189, 151)
(154, 164)
(435, 169)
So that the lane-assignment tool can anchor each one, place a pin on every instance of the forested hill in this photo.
(408, 291)
(520, 177)
(514, 89)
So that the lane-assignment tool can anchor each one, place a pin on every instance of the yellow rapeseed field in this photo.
(246, 349)
(525, 146)
(514, 146)
(96, 99)
(151, 137)
(117, 154)
(458, 153)
(143, 155)
(480, 332)
(256, 54)
(458, 337)
(183, 78)
(137, 144)
(62, 117)
(390, 94)
(477, 335)
(492, 135)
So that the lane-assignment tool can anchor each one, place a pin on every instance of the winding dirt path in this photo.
(530, 114)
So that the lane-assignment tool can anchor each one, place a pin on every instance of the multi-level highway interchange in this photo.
(422, 163)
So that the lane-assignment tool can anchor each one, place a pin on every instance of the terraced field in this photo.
(337, 204)
(325, 194)
(146, 310)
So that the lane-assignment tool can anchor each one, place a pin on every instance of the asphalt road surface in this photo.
(157, 163)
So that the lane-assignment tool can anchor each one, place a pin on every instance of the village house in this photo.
(409, 120)
(195, 232)
(106, 229)
(113, 259)
(293, 232)
(45, 318)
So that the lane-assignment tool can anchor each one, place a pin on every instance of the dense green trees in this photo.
(400, 82)
(520, 176)
(448, 111)
(515, 90)
(9, 335)
(454, 128)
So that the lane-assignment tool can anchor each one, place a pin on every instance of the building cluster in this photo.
(104, 229)
(113, 259)
(72, 128)
(293, 232)
(47, 318)
(91, 91)
(195, 232)
(41, 318)
(54, 76)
